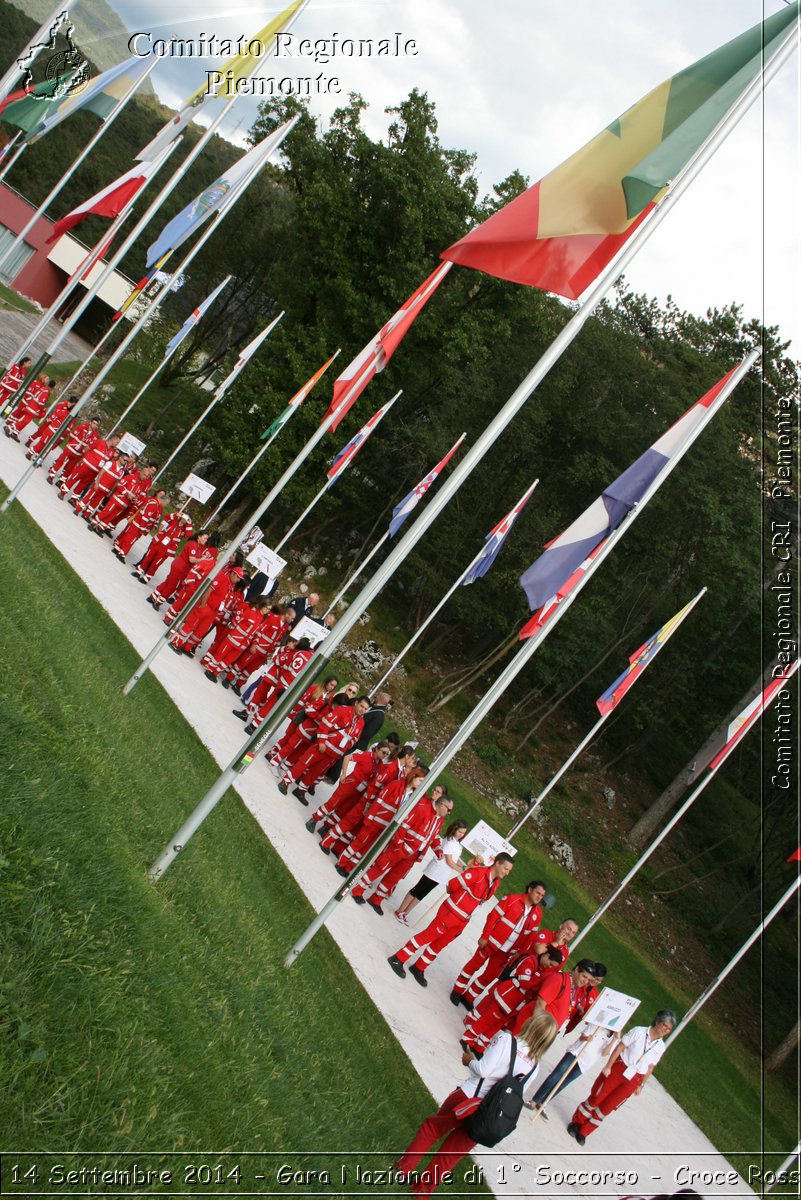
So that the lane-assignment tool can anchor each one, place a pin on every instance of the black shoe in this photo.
(236, 688)
(376, 908)
(311, 826)
(226, 682)
(573, 1130)
(419, 975)
(250, 729)
(136, 575)
(324, 849)
(282, 787)
(456, 998)
(466, 1003)
(175, 649)
(397, 966)
(148, 599)
(242, 713)
(210, 676)
(358, 899)
(311, 789)
(340, 870)
(300, 796)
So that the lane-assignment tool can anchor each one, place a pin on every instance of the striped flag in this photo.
(194, 317)
(99, 97)
(349, 452)
(544, 613)
(108, 203)
(401, 511)
(296, 401)
(494, 540)
(27, 108)
(377, 353)
(143, 283)
(230, 73)
(641, 658)
(560, 234)
(216, 197)
(751, 714)
(247, 354)
(549, 575)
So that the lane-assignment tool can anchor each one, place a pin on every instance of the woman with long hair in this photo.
(439, 870)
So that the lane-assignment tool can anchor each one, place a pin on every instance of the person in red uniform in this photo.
(519, 982)
(204, 616)
(80, 439)
(246, 621)
(163, 545)
(418, 832)
(192, 552)
(127, 496)
(287, 663)
(32, 407)
(145, 518)
(348, 816)
(12, 380)
(270, 633)
(111, 472)
(353, 788)
(630, 1065)
(193, 579)
(466, 892)
(559, 992)
(338, 732)
(304, 720)
(84, 473)
(39, 438)
(353, 835)
(540, 938)
(511, 921)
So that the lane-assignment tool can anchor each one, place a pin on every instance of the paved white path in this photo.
(651, 1138)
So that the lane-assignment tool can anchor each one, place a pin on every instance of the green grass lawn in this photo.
(142, 1018)
(139, 1018)
(10, 299)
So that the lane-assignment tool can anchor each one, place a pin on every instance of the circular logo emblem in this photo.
(69, 71)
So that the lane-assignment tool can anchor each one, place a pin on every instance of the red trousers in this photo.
(153, 558)
(196, 626)
(494, 962)
(342, 801)
(441, 1124)
(91, 501)
(21, 416)
(247, 662)
(41, 436)
(78, 479)
(184, 595)
(368, 832)
(473, 965)
(292, 745)
(493, 1013)
(446, 926)
(167, 589)
(125, 541)
(392, 863)
(608, 1093)
(345, 825)
(220, 659)
(311, 766)
(66, 462)
(111, 513)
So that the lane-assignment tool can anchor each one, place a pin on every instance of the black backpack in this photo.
(499, 1111)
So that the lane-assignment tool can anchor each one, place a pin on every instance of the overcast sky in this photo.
(524, 83)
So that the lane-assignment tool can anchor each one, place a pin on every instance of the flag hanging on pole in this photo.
(795, 857)
(641, 658)
(401, 511)
(560, 233)
(108, 203)
(143, 283)
(349, 452)
(296, 401)
(230, 73)
(741, 724)
(215, 198)
(549, 576)
(101, 96)
(494, 540)
(377, 353)
(194, 317)
(28, 108)
(43, 39)
(247, 354)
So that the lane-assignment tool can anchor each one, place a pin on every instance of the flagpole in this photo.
(674, 820)
(474, 455)
(38, 42)
(532, 808)
(746, 946)
(513, 669)
(103, 129)
(166, 191)
(418, 633)
(302, 517)
(381, 541)
(263, 450)
(141, 392)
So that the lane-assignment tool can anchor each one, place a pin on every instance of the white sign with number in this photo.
(130, 444)
(197, 488)
(252, 538)
(484, 842)
(307, 628)
(266, 560)
(612, 1009)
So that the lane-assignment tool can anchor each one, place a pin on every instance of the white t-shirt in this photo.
(639, 1051)
(495, 1064)
(438, 869)
(591, 1051)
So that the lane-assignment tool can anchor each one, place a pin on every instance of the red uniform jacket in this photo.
(109, 475)
(500, 924)
(81, 438)
(419, 830)
(175, 527)
(340, 728)
(147, 516)
(469, 889)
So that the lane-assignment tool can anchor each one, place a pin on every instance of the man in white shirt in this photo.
(630, 1064)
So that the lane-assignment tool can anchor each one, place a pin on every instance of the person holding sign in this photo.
(630, 1064)
(593, 1043)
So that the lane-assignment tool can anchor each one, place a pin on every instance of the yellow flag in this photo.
(241, 65)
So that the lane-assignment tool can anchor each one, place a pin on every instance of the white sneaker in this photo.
(401, 916)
